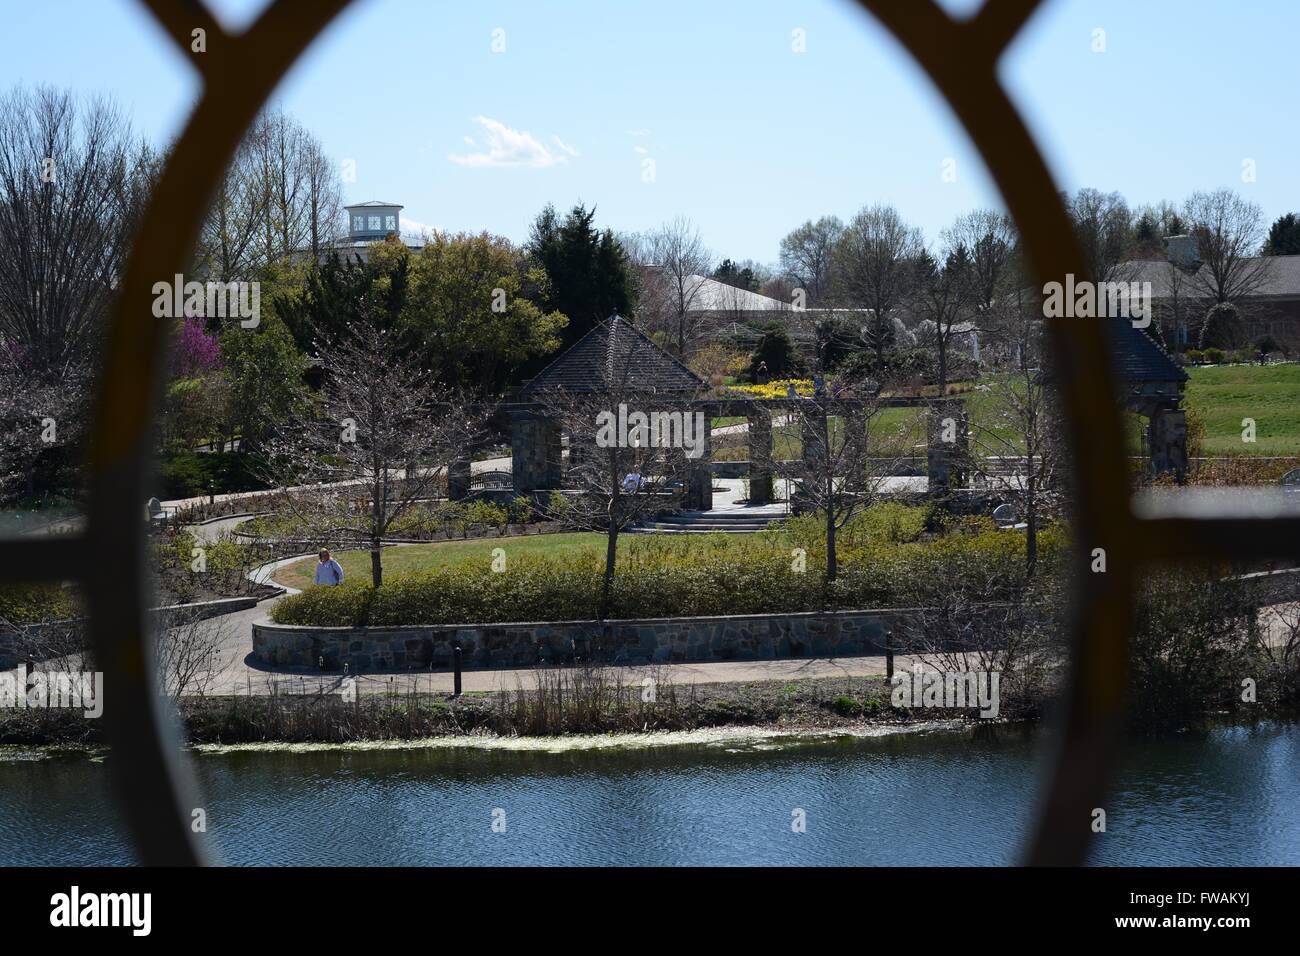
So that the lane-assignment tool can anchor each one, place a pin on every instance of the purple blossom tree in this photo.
(194, 352)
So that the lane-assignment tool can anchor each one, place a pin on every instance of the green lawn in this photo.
(415, 557)
(1270, 394)
(356, 564)
(1221, 396)
(905, 427)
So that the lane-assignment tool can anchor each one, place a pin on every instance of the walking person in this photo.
(328, 571)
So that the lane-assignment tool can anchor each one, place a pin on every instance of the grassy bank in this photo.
(1223, 395)
(557, 702)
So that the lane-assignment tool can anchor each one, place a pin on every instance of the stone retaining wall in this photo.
(32, 641)
(661, 640)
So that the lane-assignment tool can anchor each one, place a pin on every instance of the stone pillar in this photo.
(535, 452)
(458, 474)
(812, 435)
(946, 446)
(855, 443)
(699, 477)
(813, 426)
(760, 457)
(1167, 439)
(579, 452)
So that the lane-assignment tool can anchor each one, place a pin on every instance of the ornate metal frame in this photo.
(240, 72)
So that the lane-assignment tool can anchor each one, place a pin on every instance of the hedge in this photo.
(740, 579)
(192, 474)
(36, 603)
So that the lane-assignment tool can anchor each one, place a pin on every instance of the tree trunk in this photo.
(376, 564)
(831, 560)
(611, 556)
(1031, 530)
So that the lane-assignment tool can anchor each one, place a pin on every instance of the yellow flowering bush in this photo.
(775, 389)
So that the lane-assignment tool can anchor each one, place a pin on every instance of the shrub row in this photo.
(420, 521)
(22, 603)
(706, 581)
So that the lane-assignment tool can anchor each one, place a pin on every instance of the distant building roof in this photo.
(613, 355)
(710, 295)
(1280, 277)
(374, 202)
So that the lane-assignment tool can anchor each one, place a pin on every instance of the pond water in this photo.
(1227, 796)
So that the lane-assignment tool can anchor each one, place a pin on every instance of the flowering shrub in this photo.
(194, 352)
(775, 389)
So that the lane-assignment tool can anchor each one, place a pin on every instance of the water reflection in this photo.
(1230, 796)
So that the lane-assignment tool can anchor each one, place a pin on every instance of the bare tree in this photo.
(682, 262)
(187, 654)
(382, 439)
(1180, 302)
(849, 452)
(1015, 445)
(807, 254)
(875, 268)
(324, 198)
(944, 301)
(984, 618)
(1103, 226)
(42, 423)
(281, 196)
(73, 184)
(228, 249)
(990, 241)
(621, 475)
(1228, 232)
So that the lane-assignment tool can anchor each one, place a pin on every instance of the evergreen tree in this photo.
(590, 276)
(1283, 236)
(775, 349)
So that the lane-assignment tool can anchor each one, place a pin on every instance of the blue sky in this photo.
(748, 137)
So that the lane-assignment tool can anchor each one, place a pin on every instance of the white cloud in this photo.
(415, 229)
(564, 146)
(640, 149)
(509, 147)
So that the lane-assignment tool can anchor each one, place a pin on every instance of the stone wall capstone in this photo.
(660, 640)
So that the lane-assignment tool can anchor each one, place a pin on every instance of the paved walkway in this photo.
(238, 676)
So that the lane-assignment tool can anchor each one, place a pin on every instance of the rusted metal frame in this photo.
(155, 788)
(961, 59)
(1186, 540)
(44, 559)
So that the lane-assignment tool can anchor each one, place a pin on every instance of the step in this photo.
(683, 530)
(721, 523)
(703, 529)
(724, 518)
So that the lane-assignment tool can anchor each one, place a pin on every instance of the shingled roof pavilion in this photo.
(1151, 384)
(615, 356)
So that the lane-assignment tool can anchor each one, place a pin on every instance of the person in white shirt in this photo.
(328, 571)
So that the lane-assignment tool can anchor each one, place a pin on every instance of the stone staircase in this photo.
(729, 520)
